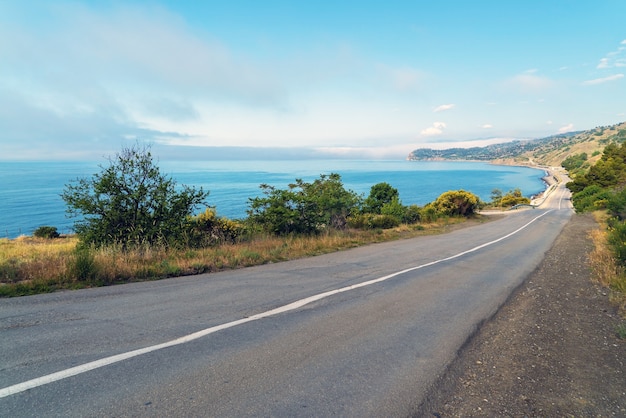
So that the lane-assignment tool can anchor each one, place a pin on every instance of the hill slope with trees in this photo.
(551, 151)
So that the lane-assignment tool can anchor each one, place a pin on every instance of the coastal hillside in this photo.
(551, 150)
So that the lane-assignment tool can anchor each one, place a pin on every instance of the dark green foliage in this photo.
(575, 164)
(46, 232)
(305, 208)
(131, 203)
(615, 203)
(412, 214)
(617, 240)
(590, 198)
(603, 186)
(380, 195)
(608, 173)
(394, 208)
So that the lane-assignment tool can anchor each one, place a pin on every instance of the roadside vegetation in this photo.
(602, 189)
(134, 223)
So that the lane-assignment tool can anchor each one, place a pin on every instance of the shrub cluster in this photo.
(208, 229)
(131, 204)
(510, 199)
(603, 186)
(309, 208)
(46, 232)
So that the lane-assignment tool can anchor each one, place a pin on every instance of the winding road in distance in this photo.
(362, 332)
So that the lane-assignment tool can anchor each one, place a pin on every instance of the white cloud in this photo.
(434, 130)
(566, 128)
(487, 126)
(612, 59)
(603, 79)
(529, 82)
(444, 107)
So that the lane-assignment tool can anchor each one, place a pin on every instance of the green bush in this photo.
(512, 198)
(429, 213)
(617, 240)
(46, 232)
(394, 208)
(360, 220)
(457, 203)
(384, 222)
(83, 266)
(588, 198)
(412, 214)
(380, 195)
(372, 221)
(616, 203)
(208, 229)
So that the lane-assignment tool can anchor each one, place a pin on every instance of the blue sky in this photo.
(350, 78)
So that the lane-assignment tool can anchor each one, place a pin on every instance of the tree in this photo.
(496, 197)
(514, 197)
(380, 195)
(394, 208)
(131, 203)
(304, 207)
(457, 203)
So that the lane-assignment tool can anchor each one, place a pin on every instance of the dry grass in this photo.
(32, 265)
(606, 270)
(28, 258)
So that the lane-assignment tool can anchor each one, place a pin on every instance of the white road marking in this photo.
(63, 374)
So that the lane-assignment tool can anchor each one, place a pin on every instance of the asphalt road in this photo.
(210, 345)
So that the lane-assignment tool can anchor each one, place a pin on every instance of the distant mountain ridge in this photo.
(551, 150)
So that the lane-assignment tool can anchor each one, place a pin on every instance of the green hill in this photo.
(550, 151)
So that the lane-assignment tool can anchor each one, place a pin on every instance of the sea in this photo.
(30, 192)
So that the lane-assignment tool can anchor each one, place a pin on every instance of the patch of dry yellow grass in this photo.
(606, 270)
(29, 258)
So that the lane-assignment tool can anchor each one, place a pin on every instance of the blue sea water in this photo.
(30, 191)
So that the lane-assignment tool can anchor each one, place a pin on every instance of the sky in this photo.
(363, 79)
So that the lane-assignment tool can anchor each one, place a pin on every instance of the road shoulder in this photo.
(551, 350)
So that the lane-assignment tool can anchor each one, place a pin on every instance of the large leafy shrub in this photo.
(457, 203)
(303, 207)
(207, 229)
(381, 194)
(46, 232)
(131, 203)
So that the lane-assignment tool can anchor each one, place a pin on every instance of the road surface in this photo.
(362, 332)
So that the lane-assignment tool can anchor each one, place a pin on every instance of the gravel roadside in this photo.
(550, 351)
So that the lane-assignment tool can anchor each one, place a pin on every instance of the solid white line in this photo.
(63, 374)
